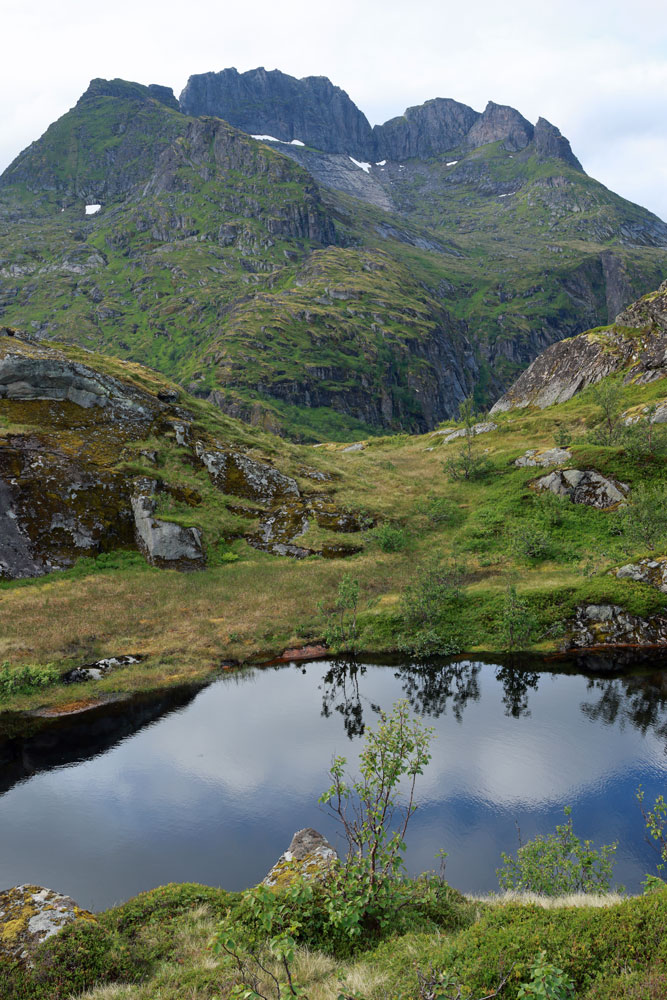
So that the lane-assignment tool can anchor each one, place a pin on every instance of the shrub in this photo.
(341, 630)
(558, 864)
(644, 519)
(26, 678)
(518, 623)
(438, 510)
(390, 537)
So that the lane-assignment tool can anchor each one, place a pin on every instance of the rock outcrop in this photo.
(586, 487)
(636, 344)
(608, 625)
(164, 543)
(426, 130)
(543, 457)
(309, 856)
(29, 914)
(651, 571)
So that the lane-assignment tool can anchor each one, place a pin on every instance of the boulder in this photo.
(587, 487)
(163, 543)
(609, 624)
(309, 856)
(239, 475)
(29, 914)
(482, 428)
(651, 571)
(544, 458)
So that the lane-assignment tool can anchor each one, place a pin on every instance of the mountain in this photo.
(303, 287)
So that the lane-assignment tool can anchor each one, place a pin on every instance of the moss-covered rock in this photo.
(29, 914)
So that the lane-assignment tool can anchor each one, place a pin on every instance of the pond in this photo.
(209, 785)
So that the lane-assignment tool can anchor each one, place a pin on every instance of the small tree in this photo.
(656, 826)
(518, 622)
(341, 630)
(468, 463)
(373, 819)
(608, 395)
(558, 864)
(644, 518)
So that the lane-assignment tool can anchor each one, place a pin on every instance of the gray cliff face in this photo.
(500, 123)
(428, 130)
(549, 143)
(263, 102)
(322, 116)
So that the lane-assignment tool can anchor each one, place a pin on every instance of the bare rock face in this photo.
(608, 624)
(651, 571)
(29, 914)
(263, 102)
(636, 342)
(585, 487)
(544, 458)
(500, 123)
(164, 543)
(427, 130)
(309, 856)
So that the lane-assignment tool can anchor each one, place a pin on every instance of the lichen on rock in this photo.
(29, 914)
(309, 856)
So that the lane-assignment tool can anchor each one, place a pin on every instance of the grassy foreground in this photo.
(486, 535)
(157, 945)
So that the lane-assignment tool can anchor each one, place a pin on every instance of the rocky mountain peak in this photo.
(269, 102)
(124, 89)
(500, 123)
(426, 130)
(550, 143)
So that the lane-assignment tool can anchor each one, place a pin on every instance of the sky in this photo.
(597, 70)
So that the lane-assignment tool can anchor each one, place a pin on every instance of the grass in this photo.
(248, 605)
(158, 945)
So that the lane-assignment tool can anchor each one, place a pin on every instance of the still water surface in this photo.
(211, 790)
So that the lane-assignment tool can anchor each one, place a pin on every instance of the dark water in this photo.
(210, 786)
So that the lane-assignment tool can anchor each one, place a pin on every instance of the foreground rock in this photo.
(29, 914)
(309, 856)
(608, 625)
(543, 458)
(651, 571)
(585, 487)
(164, 543)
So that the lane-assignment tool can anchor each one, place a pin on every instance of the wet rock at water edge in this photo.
(29, 914)
(585, 487)
(93, 671)
(309, 856)
(163, 543)
(609, 624)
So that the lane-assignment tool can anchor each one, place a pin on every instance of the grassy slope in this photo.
(157, 945)
(256, 606)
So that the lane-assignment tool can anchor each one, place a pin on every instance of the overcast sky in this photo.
(597, 70)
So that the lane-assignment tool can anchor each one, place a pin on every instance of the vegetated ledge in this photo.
(608, 948)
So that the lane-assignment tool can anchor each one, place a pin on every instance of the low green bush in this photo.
(26, 678)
